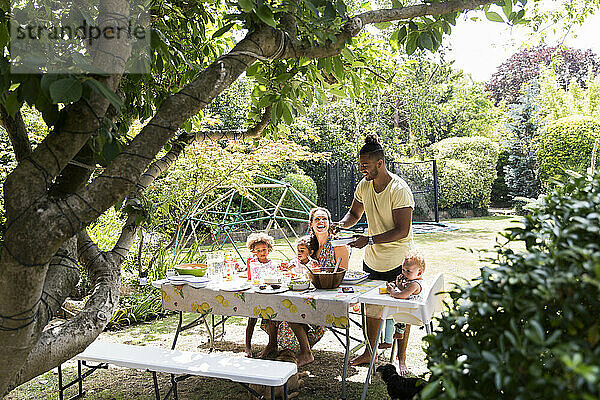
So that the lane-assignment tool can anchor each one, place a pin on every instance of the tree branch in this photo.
(61, 278)
(295, 49)
(122, 176)
(17, 133)
(60, 343)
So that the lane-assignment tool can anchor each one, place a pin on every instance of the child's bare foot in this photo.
(364, 358)
(402, 368)
(304, 359)
(267, 351)
(248, 352)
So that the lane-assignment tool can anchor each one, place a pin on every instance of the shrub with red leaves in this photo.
(521, 67)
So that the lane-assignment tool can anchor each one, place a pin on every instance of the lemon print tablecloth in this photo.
(319, 307)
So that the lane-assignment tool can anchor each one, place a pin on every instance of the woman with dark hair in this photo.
(301, 338)
(321, 234)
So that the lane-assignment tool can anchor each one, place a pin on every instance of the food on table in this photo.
(383, 290)
(350, 275)
(299, 284)
(191, 269)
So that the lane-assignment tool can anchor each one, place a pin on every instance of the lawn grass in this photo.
(443, 254)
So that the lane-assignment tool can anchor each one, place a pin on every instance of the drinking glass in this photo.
(218, 262)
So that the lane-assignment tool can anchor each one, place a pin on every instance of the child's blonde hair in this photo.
(259, 237)
(304, 241)
(415, 256)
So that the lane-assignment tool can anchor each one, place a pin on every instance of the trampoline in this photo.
(432, 227)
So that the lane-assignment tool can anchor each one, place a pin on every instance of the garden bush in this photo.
(143, 305)
(305, 185)
(466, 170)
(528, 327)
(566, 143)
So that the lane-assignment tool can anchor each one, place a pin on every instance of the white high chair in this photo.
(418, 313)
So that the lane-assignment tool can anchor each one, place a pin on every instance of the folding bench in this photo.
(181, 365)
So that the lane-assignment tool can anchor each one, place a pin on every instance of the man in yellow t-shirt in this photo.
(388, 203)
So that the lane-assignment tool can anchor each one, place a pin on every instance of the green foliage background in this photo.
(567, 143)
(467, 168)
(528, 327)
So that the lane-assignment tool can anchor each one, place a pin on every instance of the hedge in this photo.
(466, 171)
(528, 326)
(566, 143)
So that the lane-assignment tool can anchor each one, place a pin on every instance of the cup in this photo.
(170, 272)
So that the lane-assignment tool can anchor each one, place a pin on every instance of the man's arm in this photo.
(353, 215)
(402, 220)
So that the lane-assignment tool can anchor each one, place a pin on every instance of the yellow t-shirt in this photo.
(378, 209)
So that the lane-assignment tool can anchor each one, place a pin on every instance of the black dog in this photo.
(399, 387)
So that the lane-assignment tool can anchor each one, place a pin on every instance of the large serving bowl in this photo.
(191, 269)
(326, 278)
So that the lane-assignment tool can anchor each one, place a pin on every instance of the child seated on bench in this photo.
(260, 244)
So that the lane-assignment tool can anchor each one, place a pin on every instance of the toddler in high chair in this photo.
(409, 284)
(260, 244)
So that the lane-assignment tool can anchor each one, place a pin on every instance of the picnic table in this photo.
(328, 307)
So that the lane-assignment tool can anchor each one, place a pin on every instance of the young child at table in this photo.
(409, 284)
(260, 244)
(304, 256)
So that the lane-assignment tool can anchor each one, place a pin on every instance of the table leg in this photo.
(346, 357)
(211, 337)
(373, 355)
(178, 330)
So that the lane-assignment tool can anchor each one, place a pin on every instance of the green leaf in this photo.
(402, 32)
(341, 8)
(397, 4)
(338, 68)
(411, 42)
(12, 104)
(383, 25)
(347, 53)
(66, 90)
(338, 92)
(253, 69)
(535, 332)
(425, 41)
(287, 113)
(111, 150)
(311, 7)
(49, 111)
(105, 91)
(266, 15)
(430, 390)
(493, 16)
(247, 5)
(221, 31)
(507, 8)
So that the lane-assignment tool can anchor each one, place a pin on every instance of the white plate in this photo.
(270, 290)
(355, 276)
(157, 284)
(197, 282)
(342, 241)
(237, 287)
(180, 279)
